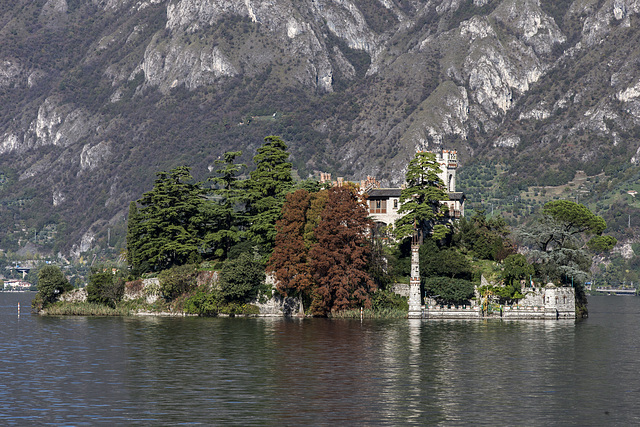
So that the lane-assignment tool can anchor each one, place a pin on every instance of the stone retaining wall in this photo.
(75, 295)
(550, 302)
(401, 289)
(460, 312)
(146, 288)
(279, 306)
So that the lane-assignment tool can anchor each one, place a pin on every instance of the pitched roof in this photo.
(379, 193)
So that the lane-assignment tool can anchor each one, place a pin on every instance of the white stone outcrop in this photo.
(75, 295)
(93, 156)
(10, 73)
(510, 141)
(55, 124)
(610, 14)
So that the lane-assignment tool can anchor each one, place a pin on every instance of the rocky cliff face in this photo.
(98, 96)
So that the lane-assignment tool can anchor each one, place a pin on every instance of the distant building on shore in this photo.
(16, 285)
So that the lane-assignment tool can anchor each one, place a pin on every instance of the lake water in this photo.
(290, 372)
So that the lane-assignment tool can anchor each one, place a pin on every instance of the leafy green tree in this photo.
(51, 284)
(242, 278)
(447, 290)
(558, 240)
(574, 218)
(485, 238)
(317, 203)
(105, 288)
(601, 244)
(516, 267)
(386, 299)
(445, 262)
(311, 185)
(204, 302)
(563, 224)
(420, 200)
(266, 190)
(172, 222)
(225, 218)
(505, 294)
(382, 261)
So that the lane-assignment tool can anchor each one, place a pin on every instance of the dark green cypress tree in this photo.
(266, 191)
(226, 217)
(173, 221)
(133, 238)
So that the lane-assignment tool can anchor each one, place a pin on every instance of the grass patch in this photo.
(84, 309)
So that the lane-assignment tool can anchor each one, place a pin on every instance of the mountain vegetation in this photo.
(540, 98)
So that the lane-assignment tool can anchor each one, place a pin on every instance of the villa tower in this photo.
(415, 306)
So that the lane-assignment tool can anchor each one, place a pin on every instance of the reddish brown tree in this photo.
(288, 260)
(314, 213)
(339, 259)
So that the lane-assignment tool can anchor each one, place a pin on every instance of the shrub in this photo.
(448, 290)
(177, 281)
(135, 287)
(211, 303)
(204, 302)
(388, 300)
(242, 278)
(51, 284)
(104, 288)
(234, 308)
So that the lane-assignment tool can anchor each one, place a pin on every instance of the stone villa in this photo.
(385, 202)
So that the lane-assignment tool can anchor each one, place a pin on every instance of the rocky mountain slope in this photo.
(99, 95)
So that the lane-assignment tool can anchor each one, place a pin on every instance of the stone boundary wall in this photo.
(461, 312)
(401, 289)
(75, 295)
(548, 303)
(524, 312)
(279, 306)
(150, 290)
(508, 312)
(537, 313)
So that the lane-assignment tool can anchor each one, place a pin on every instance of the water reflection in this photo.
(416, 408)
(163, 371)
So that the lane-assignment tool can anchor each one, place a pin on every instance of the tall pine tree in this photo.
(172, 221)
(266, 190)
(133, 238)
(420, 200)
(224, 230)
